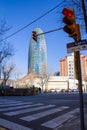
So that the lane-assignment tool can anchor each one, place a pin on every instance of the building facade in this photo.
(67, 67)
(37, 56)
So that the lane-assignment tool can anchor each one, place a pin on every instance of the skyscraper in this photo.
(37, 56)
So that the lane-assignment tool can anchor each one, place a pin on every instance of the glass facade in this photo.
(37, 56)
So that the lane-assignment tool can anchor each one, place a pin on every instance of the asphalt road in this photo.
(39, 112)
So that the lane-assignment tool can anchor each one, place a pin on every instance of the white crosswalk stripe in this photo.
(54, 123)
(40, 111)
(11, 101)
(14, 104)
(12, 125)
(43, 114)
(19, 107)
(27, 110)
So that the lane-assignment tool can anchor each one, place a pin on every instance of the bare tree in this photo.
(84, 12)
(6, 72)
(45, 77)
(6, 50)
(17, 74)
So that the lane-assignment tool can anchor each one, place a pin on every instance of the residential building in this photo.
(67, 67)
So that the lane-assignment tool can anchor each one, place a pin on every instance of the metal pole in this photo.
(80, 93)
(0, 66)
(79, 77)
(50, 31)
(84, 14)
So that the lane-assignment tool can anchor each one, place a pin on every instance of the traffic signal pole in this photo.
(80, 94)
(73, 31)
(79, 78)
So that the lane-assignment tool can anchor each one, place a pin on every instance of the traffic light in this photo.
(69, 20)
(34, 35)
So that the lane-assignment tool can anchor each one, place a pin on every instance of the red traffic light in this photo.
(67, 13)
(69, 20)
(34, 35)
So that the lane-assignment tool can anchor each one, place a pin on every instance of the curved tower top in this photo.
(37, 56)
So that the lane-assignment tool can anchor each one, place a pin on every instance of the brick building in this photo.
(67, 67)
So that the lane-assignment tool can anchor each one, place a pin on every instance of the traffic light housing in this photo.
(69, 20)
(34, 35)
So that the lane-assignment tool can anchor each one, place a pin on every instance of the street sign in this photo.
(77, 46)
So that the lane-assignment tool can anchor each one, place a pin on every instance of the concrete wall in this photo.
(59, 82)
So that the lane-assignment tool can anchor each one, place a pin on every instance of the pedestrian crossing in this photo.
(43, 114)
(19, 107)
(15, 104)
(12, 125)
(54, 123)
(16, 112)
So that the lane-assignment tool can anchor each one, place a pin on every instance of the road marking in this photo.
(16, 104)
(9, 101)
(12, 126)
(56, 122)
(27, 110)
(43, 114)
(20, 107)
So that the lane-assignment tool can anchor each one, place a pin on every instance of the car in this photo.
(74, 90)
(63, 90)
(52, 90)
(57, 90)
(69, 90)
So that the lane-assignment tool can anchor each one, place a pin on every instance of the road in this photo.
(39, 112)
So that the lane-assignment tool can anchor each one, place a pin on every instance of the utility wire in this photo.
(33, 21)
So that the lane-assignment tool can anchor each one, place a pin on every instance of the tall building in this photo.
(67, 66)
(37, 56)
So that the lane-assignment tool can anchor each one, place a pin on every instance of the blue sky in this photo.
(19, 13)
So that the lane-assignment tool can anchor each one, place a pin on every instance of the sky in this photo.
(19, 13)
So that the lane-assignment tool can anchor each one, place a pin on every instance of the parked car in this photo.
(69, 90)
(63, 90)
(52, 90)
(57, 90)
(75, 90)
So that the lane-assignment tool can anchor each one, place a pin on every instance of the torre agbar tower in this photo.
(37, 56)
